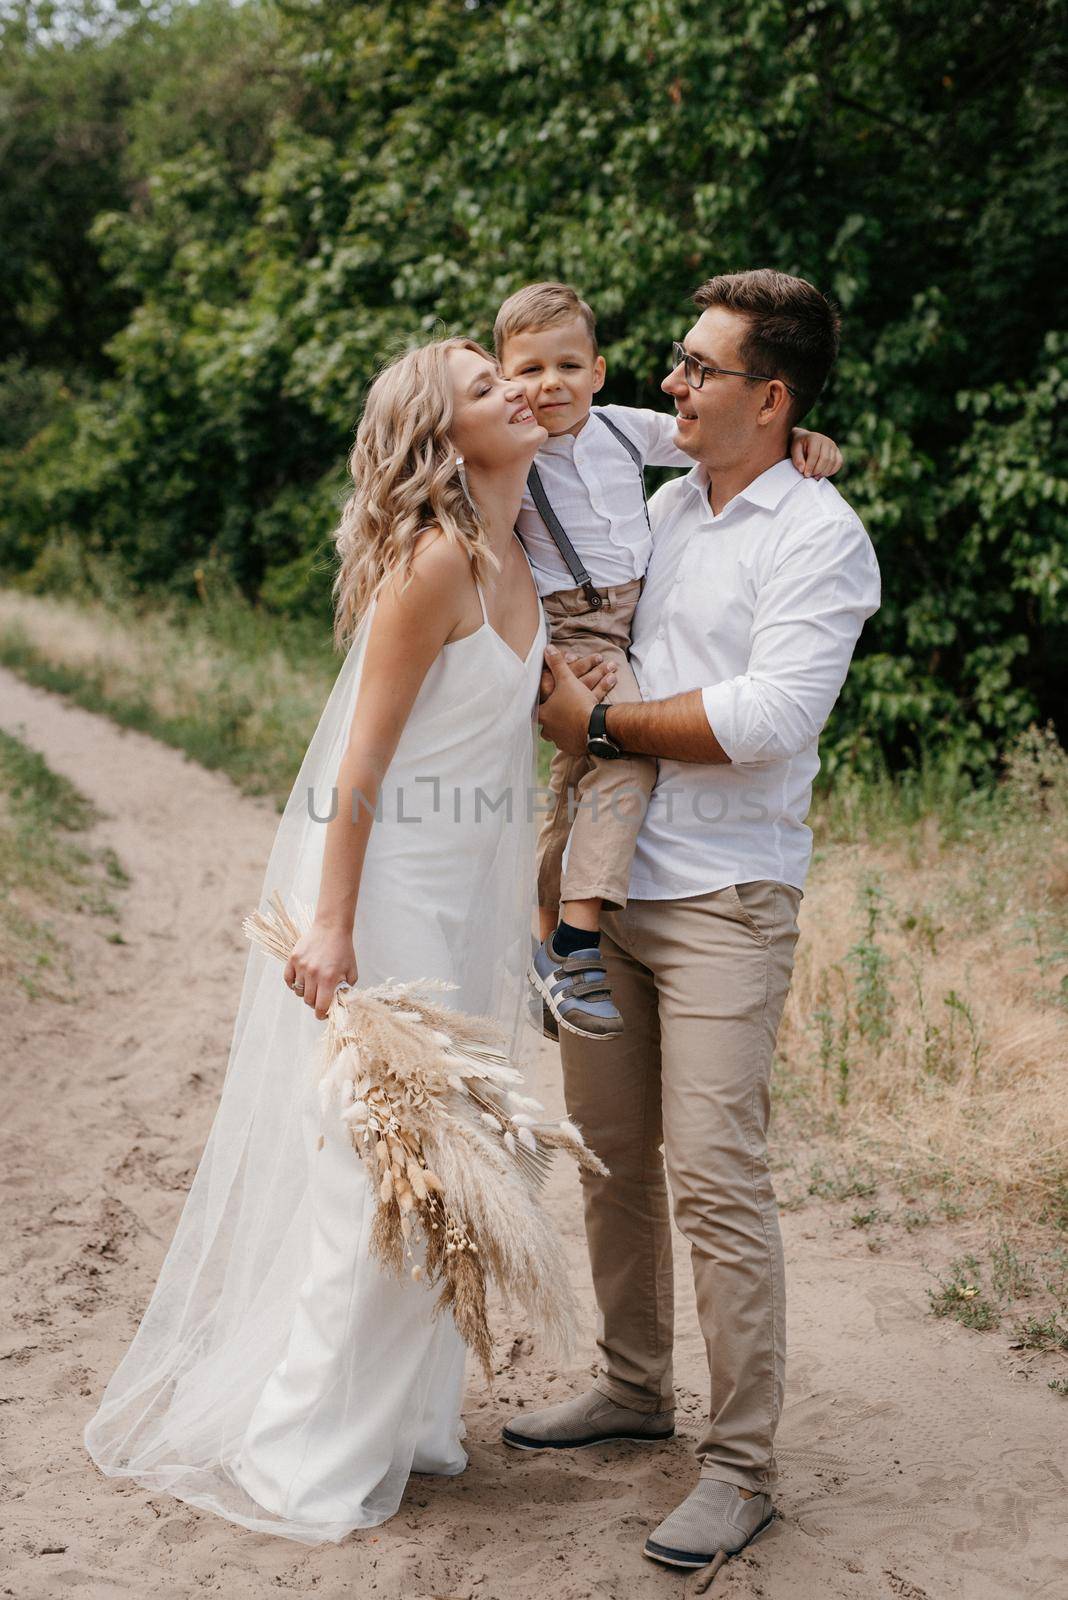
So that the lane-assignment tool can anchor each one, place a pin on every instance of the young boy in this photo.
(585, 527)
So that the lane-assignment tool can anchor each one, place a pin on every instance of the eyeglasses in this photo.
(695, 371)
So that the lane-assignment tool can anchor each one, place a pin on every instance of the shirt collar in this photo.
(767, 491)
(560, 444)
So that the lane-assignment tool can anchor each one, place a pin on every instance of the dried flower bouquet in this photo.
(456, 1155)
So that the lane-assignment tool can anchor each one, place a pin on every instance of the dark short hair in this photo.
(793, 329)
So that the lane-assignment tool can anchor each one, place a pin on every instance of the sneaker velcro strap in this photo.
(586, 988)
(580, 963)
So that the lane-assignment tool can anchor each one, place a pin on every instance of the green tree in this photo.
(404, 166)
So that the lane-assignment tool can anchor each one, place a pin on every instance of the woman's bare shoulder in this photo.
(437, 579)
(440, 559)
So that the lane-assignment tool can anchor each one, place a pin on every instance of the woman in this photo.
(281, 1377)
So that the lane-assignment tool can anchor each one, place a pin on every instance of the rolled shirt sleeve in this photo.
(806, 621)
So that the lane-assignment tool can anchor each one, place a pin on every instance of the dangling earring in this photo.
(463, 484)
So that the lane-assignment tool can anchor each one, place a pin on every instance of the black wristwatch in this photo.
(598, 741)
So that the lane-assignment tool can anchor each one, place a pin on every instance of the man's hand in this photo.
(564, 716)
(676, 728)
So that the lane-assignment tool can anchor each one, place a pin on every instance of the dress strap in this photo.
(481, 598)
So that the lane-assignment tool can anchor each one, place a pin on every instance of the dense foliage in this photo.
(226, 217)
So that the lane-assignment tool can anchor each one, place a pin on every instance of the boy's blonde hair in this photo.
(405, 480)
(537, 306)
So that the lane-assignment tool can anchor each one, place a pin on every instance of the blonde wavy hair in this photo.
(406, 479)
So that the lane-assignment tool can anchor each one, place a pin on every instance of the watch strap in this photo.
(596, 727)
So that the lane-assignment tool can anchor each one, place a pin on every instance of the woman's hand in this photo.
(596, 673)
(813, 454)
(321, 959)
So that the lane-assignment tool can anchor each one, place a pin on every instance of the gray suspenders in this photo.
(555, 526)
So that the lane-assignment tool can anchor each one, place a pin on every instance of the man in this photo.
(758, 585)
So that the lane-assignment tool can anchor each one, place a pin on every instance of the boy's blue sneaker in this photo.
(575, 989)
(539, 1016)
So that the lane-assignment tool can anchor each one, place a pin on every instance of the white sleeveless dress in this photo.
(365, 1383)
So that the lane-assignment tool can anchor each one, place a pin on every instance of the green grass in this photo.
(926, 889)
(960, 1296)
(852, 1183)
(237, 689)
(941, 788)
(1015, 1282)
(929, 1003)
(1046, 1333)
(45, 871)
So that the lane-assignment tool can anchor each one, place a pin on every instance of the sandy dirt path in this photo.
(916, 1460)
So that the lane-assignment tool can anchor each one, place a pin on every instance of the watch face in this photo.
(604, 748)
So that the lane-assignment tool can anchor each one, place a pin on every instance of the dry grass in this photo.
(424, 1094)
(224, 682)
(924, 1040)
(925, 1035)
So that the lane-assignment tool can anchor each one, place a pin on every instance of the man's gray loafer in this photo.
(711, 1524)
(587, 1419)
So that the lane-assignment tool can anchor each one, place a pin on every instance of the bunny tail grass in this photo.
(274, 930)
(453, 1152)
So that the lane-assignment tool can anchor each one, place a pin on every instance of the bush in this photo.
(349, 178)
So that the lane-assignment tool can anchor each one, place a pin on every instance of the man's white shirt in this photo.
(592, 484)
(760, 608)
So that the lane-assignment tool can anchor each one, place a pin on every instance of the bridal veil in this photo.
(177, 1407)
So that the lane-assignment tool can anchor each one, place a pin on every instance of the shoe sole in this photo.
(545, 1024)
(518, 1442)
(546, 995)
(690, 1560)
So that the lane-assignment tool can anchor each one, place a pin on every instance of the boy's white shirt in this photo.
(593, 486)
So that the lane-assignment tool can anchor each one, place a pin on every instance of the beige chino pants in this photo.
(701, 984)
(599, 804)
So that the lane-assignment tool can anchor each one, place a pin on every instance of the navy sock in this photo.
(566, 940)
